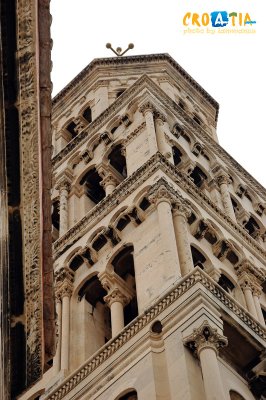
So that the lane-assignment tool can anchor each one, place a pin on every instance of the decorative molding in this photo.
(205, 337)
(30, 185)
(197, 276)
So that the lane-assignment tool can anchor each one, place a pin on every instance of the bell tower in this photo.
(159, 242)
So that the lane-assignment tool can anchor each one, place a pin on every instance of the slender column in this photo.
(118, 296)
(250, 279)
(116, 301)
(64, 187)
(163, 199)
(163, 146)
(64, 282)
(223, 181)
(57, 359)
(205, 343)
(182, 241)
(247, 290)
(256, 297)
(147, 110)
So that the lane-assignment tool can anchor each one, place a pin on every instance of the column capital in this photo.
(117, 289)
(249, 275)
(161, 193)
(109, 179)
(80, 125)
(220, 175)
(147, 106)
(224, 178)
(159, 116)
(64, 278)
(181, 208)
(64, 180)
(205, 337)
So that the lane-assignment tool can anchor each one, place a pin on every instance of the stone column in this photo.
(223, 182)
(63, 186)
(163, 200)
(64, 283)
(181, 212)
(118, 296)
(250, 279)
(247, 290)
(57, 359)
(163, 146)
(256, 297)
(147, 110)
(205, 342)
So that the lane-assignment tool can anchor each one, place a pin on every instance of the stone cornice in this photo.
(196, 277)
(133, 182)
(188, 123)
(116, 61)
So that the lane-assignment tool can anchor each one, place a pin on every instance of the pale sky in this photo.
(231, 67)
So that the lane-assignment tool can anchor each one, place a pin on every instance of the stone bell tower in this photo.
(159, 242)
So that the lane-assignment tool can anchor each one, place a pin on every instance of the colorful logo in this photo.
(218, 19)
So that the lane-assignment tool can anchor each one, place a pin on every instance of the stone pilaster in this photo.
(163, 146)
(223, 180)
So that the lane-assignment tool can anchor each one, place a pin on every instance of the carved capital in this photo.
(161, 193)
(147, 107)
(247, 270)
(64, 278)
(159, 117)
(223, 179)
(117, 289)
(181, 208)
(109, 179)
(205, 337)
(64, 180)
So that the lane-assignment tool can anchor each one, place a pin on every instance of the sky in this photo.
(231, 67)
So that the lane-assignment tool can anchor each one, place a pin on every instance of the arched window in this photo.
(123, 264)
(118, 160)
(76, 262)
(235, 396)
(132, 395)
(94, 190)
(87, 115)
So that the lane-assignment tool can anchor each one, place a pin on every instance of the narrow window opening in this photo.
(198, 176)
(198, 258)
(144, 204)
(252, 227)
(87, 115)
(92, 184)
(76, 262)
(99, 242)
(123, 222)
(118, 160)
(71, 129)
(177, 155)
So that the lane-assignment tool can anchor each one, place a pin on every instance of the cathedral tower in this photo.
(159, 243)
